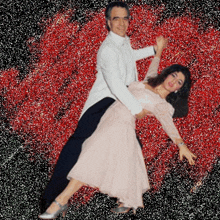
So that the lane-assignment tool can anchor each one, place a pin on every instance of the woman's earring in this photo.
(176, 91)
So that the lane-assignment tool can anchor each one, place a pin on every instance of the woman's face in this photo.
(174, 81)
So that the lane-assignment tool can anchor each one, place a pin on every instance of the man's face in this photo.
(119, 21)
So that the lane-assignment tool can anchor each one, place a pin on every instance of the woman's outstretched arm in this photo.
(152, 71)
(163, 113)
(153, 68)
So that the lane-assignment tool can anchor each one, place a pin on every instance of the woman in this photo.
(111, 159)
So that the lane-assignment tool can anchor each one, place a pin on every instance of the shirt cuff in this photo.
(136, 110)
(154, 51)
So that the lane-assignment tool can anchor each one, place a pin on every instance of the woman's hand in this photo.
(161, 44)
(185, 152)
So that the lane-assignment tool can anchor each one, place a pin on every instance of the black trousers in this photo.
(71, 151)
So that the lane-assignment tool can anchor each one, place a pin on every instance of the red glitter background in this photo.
(44, 107)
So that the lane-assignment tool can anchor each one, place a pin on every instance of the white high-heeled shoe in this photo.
(122, 209)
(63, 210)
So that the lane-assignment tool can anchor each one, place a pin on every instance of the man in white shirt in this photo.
(116, 70)
(116, 62)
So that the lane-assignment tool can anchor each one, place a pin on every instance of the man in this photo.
(116, 70)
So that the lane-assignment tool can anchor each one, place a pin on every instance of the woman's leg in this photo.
(63, 197)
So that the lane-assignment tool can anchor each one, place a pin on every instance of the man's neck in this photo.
(119, 41)
(116, 35)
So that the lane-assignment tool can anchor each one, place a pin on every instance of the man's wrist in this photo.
(136, 111)
(181, 144)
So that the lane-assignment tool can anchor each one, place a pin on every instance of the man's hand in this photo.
(142, 114)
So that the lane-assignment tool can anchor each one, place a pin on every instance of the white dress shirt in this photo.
(116, 66)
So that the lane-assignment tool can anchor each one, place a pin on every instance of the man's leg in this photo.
(63, 198)
(139, 141)
(71, 151)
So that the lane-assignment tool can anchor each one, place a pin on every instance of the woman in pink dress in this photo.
(111, 158)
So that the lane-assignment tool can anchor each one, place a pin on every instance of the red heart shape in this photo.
(49, 101)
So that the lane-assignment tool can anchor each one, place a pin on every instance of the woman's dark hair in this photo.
(178, 100)
(111, 6)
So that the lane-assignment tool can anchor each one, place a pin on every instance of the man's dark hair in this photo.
(111, 6)
(178, 100)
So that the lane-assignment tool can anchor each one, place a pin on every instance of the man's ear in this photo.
(109, 23)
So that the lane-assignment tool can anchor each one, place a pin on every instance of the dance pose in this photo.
(111, 158)
(116, 66)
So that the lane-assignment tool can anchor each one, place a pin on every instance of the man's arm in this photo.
(111, 74)
(144, 52)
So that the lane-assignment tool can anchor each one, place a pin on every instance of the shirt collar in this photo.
(118, 39)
